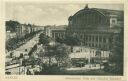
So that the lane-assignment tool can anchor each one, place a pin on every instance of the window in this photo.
(89, 45)
(95, 45)
(92, 45)
(96, 38)
(110, 40)
(86, 38)
(113, 21)
(89, 38)
(93, 38)
(100, 39)
(104, 46)
(104, 40)
(99, 46)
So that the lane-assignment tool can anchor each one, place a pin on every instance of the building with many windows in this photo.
(55, 31)
(96, 27)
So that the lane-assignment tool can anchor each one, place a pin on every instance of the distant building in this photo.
(24, 29)
(39, 28)
(48, 31)
(59, 32)
(55, 31)
(21, 30)
(10, 35)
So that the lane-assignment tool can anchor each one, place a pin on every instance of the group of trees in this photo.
(71, 40)
(11, 25)
(13, 43)
(117, 53)
(34, 48)
(58, 51)
(43, 39)
(116, 58)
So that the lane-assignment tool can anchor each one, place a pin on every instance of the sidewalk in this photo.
(87, 67)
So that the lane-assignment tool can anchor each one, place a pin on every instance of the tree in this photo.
(72, 40)
(11, 44)
(11, 25)
(43, 39)
(61, 53)
(60, 40)
(49, 52)
(117, 52)
(34, 48)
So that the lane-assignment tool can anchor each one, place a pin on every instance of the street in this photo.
(15, 65)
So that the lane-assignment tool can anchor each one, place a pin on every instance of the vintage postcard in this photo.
(64, 40)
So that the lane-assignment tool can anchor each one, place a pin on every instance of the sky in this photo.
(48, 13)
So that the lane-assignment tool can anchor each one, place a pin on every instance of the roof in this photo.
(61, 27)
(108, 12)
(105, 12)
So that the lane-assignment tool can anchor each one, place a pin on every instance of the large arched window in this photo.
(89, 19)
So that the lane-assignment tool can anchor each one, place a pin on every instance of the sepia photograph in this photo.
(64, 39)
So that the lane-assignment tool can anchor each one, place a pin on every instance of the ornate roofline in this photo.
(105, 12)
(89, 9)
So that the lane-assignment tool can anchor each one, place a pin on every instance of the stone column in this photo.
(94, 40)
(91, 38)
(98, 41)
